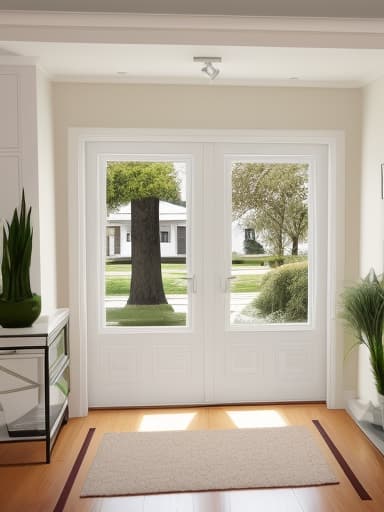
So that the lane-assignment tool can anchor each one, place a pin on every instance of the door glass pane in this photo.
(145, 279)
(269, 278)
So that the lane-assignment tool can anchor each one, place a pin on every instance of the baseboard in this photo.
(368, 418)
(349, 394)
(213, 404)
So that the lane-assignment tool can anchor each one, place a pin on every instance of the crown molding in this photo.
(15, 60)
(165, 21)
(191, 29)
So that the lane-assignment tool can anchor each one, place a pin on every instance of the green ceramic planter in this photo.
(20, 314)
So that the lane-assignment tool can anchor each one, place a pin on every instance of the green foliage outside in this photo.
(237, 262)
(143, 184)
(276, 261)
(272, 261)
(284, 294)
(272, 199)
(157, 315)
(253, 247)
(129, 181)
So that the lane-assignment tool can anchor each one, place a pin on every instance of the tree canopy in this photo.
(272, 198)
(128, 181)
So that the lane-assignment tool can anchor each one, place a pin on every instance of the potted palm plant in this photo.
(19, 307)
(363, 310)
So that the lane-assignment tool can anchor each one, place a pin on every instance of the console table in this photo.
(34, 380)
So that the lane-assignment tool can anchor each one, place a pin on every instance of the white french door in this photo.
(211, 354)
(130, 365)
(278, 359)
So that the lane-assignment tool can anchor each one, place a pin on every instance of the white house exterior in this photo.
(173, 220)
(172, 231)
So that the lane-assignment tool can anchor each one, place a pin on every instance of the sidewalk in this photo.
(180, 302)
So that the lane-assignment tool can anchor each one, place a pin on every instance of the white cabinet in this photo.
(35, 381)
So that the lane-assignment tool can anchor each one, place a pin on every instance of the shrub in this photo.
(253, 247)
(276, 261)
(284, 293)
(247, 260)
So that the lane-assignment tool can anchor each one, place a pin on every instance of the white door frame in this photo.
(79, 137)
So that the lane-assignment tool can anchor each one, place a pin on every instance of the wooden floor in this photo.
(37, 487)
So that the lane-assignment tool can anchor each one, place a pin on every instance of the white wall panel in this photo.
(18, 151)
(9, 185)
(9, 108)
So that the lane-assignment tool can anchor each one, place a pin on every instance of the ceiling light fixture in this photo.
(209, 69)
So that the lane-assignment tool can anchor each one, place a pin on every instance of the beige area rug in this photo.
(132, 463)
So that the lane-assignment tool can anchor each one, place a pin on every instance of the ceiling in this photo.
(173, 64)
(324, 8)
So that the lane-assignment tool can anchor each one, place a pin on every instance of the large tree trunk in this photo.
(295, 246)
(146, 281)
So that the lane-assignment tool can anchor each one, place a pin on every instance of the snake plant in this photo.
(17, 251)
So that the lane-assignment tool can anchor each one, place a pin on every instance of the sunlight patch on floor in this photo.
(256, 419)
(157, 422)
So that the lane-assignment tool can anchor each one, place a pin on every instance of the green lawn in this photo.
(246, 283)
(119, 285)
(168, 267)
(175, 284)
(161, 314)
(126, 267)
(239, 263)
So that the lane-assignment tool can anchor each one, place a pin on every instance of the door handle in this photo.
(192, 282)
(227, 282)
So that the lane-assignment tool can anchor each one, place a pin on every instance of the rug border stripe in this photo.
(357, 485)
(73, 473)
(219, 489)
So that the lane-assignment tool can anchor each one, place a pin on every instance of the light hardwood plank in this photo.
(37, 487)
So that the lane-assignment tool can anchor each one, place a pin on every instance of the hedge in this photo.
(284, 294)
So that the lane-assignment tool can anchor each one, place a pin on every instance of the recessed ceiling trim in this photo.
(145, 80)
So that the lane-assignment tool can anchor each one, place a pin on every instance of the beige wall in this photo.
(372, 208)
(152, 106)
(46, 180)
